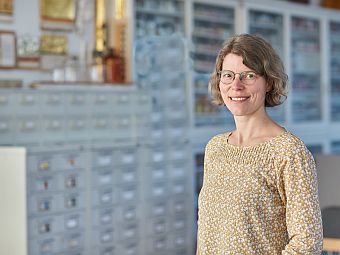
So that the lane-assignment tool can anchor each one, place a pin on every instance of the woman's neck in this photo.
(252, 130)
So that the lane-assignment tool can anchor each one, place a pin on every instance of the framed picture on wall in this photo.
(57, 14)
(7, 49)
(6, 7)
(6, 10)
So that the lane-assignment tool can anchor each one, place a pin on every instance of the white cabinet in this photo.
(206, 113)
(334, 72)
(167, 158)
(269, 25)
(88, 191)
(159, 17)
(335, 147)
(212, 23)
(308, 40)
(13, 220)
(306, 69)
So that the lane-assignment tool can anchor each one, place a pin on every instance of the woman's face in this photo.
(241, 99)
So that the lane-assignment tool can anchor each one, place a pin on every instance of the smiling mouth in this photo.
(238, 99)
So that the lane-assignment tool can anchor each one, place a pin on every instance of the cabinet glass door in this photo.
(334, 32)
(212, 25)
(155, 17)
(269, 26)
(206, 113)
(315, 149)
(305, 91)
(335, 147)
(199, 172)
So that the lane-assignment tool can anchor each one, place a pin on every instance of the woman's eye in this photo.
(250, 75)
(227, 75)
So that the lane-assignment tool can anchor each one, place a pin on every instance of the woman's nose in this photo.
(237, 83)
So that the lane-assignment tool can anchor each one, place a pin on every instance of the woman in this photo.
(259, 193)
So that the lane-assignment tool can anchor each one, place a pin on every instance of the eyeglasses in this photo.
(246, 77)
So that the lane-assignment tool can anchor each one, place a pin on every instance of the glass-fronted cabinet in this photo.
(334, 40)
(207, 113)
(335, 147)
(212, 25)
(315, 149)
(199, 172)
(153, 17)
(306, 73)
(269, 25)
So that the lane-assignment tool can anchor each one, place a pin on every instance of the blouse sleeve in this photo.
(299, 191)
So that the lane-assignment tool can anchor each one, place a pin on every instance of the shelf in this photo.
(214, 114)
(6, 18)
(204, 67)
(306, 91)
(26, 69)
(335, 85)
(209, 117)
(211, 55)
(86, 84)
(306, 53)
(335, 53)
(335, 93)
(334, 37)
(201, 91)
(335, 149)
(306, 72)
(211, 36)
(220, 121)
(335, 98)
(159, 18)
(156, 12)
(335, 76)
(304, 96)
(307, 117)
(206, 50)
(303, 35)
(335, 117)
(299, 107)
(213, 19)
(265, 26)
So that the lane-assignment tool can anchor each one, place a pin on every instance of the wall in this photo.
(26, 21)
(328, 177)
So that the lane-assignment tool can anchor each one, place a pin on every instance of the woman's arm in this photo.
(299, 188)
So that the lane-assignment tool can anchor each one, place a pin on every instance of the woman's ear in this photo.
(269, 87)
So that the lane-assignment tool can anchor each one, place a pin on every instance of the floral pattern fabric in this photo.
(260, 199)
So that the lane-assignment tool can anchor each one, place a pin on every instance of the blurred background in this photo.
(105, 113)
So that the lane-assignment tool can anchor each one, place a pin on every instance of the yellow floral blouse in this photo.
(260, 199)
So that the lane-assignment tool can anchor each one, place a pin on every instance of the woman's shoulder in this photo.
(219, 138)
(217, 141)
(291, 140)
(290, 144)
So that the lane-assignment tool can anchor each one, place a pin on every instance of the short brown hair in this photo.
(259, 56)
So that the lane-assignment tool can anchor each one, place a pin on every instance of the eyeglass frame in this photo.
(241, 75)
